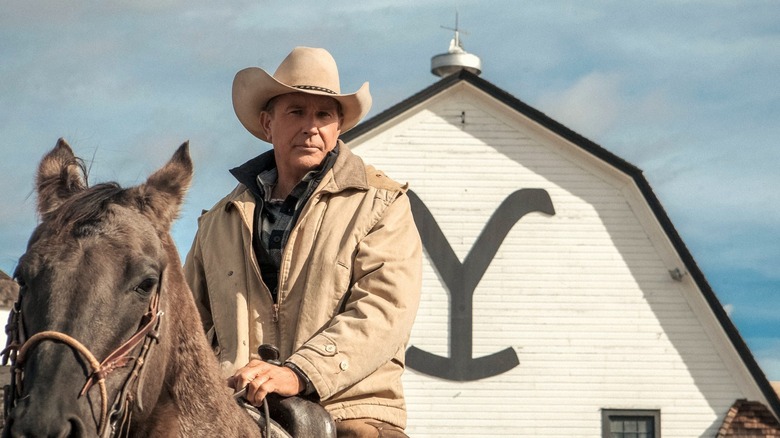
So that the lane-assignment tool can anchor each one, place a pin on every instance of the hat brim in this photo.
(253, 88)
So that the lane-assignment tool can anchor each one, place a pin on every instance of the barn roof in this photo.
(747, 419)
(622, 165)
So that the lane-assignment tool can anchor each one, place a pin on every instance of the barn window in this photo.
(621, 423)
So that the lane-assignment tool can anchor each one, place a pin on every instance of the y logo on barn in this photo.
(461, 279)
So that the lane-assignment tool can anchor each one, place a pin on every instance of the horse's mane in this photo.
(83, 214)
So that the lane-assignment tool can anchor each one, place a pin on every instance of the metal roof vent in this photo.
(456, 59)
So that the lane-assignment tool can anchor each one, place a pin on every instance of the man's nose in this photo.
(311, 124)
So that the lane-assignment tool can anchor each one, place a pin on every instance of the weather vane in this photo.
(455, 45)
(456, 58)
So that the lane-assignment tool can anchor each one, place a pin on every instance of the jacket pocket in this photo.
(211, 336)
(342, 283)
(342, 273)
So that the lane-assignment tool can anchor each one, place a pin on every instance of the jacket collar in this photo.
(347, 172)
(247, 173)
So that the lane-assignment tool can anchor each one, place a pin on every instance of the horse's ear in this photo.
(162, 194)
(60, 175)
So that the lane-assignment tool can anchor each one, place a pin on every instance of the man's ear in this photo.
(265, 123)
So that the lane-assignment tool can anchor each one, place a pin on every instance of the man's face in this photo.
(303, 128)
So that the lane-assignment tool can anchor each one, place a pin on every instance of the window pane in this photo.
(624, 426)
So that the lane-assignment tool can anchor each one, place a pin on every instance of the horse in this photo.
(101, 278)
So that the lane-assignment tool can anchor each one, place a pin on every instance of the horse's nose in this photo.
(44, 426)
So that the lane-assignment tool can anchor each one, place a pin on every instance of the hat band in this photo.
(314, 88)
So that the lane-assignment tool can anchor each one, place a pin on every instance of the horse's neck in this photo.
(193, 386)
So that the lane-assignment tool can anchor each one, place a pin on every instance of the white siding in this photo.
(584, 297)
(3, 336)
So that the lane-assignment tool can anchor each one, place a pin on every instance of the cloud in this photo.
(590, 106)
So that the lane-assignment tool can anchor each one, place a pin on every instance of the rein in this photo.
(19, 348)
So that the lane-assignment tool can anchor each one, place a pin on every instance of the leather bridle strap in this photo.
(99, 371)
(76, 345)
(119, 357)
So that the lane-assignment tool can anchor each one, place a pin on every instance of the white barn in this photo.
(558, 299)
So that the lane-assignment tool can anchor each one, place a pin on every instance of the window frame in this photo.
(606, 413)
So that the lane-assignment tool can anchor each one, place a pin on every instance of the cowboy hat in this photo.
(304, 70)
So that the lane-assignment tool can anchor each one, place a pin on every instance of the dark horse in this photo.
(101, 278)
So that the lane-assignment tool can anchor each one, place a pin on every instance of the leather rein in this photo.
(18, 348)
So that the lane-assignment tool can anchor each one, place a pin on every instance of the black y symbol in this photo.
(462, 279)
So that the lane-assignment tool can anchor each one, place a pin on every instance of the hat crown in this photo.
(309, 68)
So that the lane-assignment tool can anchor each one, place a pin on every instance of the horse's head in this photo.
(93, 265)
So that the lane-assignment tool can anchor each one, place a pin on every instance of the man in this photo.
(313, 252)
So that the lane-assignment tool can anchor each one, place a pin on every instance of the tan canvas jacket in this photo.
(349, 288)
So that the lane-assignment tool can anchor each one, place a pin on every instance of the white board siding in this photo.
(584, 297)
(3, 336)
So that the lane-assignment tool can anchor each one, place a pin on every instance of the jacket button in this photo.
(330, 348)
(343, 365)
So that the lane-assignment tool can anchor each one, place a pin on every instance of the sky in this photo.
(688, 91)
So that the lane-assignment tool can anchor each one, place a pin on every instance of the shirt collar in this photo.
(259, 174)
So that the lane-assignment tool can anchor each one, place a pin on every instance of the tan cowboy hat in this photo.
(304, 70)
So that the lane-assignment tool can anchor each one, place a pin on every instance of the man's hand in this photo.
(262, 378)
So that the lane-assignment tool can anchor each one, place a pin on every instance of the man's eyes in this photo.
(320, 114)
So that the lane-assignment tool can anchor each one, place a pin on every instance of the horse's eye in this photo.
(147, 286)
(18, 279)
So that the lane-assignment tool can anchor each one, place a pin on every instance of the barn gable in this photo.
(556, 291)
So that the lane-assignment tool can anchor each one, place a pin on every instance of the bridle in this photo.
(18, 349)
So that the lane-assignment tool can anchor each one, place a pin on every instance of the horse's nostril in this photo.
(66, 431)
(75, 428)
(72, 428)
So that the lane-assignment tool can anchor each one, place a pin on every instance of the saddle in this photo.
(291, 417)
(288, 417)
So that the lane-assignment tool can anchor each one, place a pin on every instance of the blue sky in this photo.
(688, 91)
